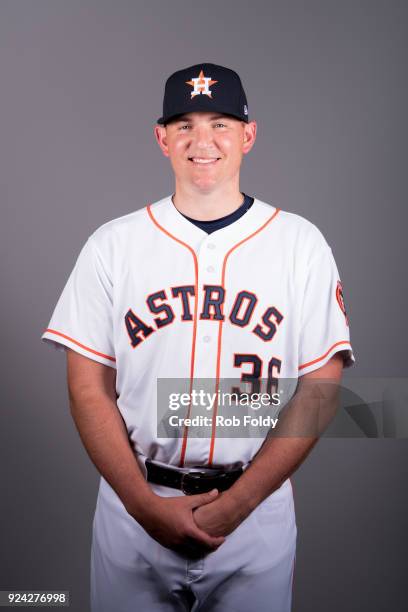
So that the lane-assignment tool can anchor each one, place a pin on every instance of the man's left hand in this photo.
(219, 517)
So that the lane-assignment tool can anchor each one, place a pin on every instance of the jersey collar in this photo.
(171, 221)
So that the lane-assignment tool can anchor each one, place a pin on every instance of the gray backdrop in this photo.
(81, 86)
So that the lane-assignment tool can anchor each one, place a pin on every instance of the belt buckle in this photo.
(192, 476)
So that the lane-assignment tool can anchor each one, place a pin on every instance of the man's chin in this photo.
(206, 186)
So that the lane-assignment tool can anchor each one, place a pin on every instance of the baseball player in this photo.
(205, 284)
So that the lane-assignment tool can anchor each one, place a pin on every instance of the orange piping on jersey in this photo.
(57, 333)
(217, 383)
(305, 365)
(157, 224)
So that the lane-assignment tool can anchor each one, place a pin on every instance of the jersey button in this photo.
(210, 269)
(210, 245)
(207, 338)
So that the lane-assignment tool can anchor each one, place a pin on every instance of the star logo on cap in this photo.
(201, 85)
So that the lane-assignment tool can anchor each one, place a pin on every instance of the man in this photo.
(206, 284)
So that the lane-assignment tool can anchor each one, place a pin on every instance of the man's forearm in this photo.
(301, 424)
(104, 435)
(277, 459)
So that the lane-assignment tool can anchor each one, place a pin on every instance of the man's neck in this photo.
(209, 205)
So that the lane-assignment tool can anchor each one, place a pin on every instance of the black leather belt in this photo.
(192, 482)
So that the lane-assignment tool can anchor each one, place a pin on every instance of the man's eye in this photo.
(187, 126)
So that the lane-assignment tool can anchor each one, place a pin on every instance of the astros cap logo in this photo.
(201, 85)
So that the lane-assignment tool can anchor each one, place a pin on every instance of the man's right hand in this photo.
(170, 521)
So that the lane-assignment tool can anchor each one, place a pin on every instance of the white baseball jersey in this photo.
(154, 296)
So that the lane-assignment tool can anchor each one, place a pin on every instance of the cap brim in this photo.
(162, 120)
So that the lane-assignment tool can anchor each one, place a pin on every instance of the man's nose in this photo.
(203, 136)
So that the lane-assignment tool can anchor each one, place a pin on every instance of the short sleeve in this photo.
(324, 320)
(82, 319)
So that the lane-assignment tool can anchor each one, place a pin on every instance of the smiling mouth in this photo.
(204, 161)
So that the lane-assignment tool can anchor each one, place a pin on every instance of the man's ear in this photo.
(249, 136)
(160, 133)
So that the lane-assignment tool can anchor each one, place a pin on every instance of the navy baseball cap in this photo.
(204, 87)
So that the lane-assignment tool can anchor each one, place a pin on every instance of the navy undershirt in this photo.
(216, 224)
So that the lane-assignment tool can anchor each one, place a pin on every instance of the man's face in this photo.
(205, 148)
